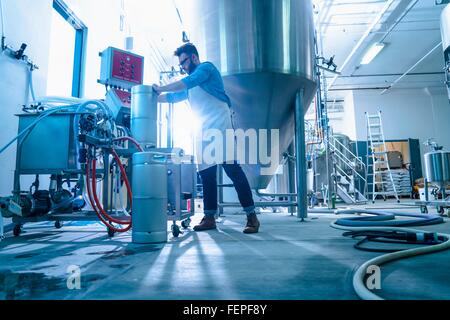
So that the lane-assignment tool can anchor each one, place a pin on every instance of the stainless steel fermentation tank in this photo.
(265, 51)
(445, 32)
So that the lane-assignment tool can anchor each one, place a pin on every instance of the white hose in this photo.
(58, 99)
(358, 278)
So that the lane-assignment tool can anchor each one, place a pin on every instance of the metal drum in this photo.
(437, 167)
(144, 116)
(149, 187)
(445, 27)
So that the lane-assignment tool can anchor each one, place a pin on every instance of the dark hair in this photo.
(187, 48)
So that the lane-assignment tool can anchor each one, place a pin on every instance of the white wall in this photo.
(406, 113)
(344, 123)
(26, 21)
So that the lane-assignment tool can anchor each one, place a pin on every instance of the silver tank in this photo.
(149, 210)
(445, 27)
(265, 51)
(437, 167)
(144, 116)
(445, 33)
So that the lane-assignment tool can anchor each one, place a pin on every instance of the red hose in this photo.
(92, 201)
(93, 205)
(97, 202)
(125, 178)
(132, 140)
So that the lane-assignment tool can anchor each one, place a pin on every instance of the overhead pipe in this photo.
(399, 20)
(413, 67)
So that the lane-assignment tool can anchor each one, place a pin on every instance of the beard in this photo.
(192, 68)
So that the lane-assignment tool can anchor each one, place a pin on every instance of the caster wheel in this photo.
(185, 223)
(58, 224)
(17, 230)
(175, 230)
(111, 232)
(423, 209)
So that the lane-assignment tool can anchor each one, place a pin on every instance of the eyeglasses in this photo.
(183, 62)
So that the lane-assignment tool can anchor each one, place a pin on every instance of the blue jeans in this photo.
(240, 182)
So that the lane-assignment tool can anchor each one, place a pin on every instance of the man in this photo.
(205, 90)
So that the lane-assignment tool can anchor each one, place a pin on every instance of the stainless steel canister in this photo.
(144, 115)
(149, 212)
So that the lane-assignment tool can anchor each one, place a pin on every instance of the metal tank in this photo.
(149, 185)
(144, 115)
(437, 167)
(445, 32)
(265, 51)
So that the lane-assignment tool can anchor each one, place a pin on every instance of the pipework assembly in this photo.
(95, 151)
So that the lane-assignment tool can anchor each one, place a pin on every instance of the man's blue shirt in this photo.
(208, 78)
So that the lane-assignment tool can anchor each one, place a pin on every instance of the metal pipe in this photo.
(357, 89)
(170, 126)
(300, 155)
(415, 65)
(275, 194)
(219, 189)
(399, 20)
(389, 75)
(105, 192)
(291, 175)
(260, 204)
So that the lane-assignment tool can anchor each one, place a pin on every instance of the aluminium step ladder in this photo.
(381, 182)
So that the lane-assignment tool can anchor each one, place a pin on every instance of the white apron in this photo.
(212, 113)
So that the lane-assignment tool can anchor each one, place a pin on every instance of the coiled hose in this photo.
(385, 221)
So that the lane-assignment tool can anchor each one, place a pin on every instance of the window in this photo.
(67, 53)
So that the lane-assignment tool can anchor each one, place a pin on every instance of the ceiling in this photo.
(410, 30)
(346, 29)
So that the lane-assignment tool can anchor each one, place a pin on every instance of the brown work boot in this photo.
(208, 222)
(252, 224)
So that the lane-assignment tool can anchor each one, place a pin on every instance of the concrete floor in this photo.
(288, 260)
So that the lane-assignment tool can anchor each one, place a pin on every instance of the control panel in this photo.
(121, 69)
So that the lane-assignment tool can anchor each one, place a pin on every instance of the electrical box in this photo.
(121, 69)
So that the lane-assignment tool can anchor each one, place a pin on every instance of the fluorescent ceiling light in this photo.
(372, 53)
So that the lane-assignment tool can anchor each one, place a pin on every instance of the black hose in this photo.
(403, 238)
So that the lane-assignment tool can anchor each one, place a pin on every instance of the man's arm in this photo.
(200, 75)
(172, 87)
(173, 97)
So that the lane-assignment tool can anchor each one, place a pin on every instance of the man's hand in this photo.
(157, 89)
